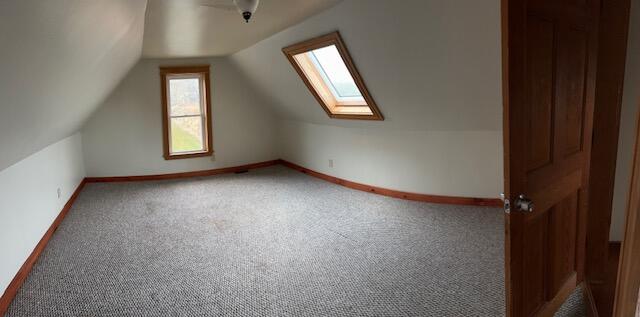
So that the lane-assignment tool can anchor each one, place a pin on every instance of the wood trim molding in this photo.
(204, 72)
(628, 279)
(25, 269)
(156, 177)
(22, 274)
(333, 38)
(451, 200)
(612, 52)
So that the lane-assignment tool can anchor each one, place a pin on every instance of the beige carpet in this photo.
(271, 242)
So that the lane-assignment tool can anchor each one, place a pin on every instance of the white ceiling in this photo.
(59, 60)
(186, 28)
(434, 67)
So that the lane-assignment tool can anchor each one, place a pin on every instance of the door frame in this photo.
(628, 279)
(600, 274)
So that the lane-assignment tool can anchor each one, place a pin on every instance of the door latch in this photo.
(506, 203)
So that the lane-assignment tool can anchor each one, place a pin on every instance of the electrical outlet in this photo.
(59, 193)
(330, 163)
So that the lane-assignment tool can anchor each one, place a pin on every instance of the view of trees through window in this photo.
(186, 115)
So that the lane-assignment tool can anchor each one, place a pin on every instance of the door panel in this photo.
(535, 233)
(562, 251)
(549, 82)
(572, 59)
(540, 61)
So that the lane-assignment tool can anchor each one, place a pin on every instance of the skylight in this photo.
(335, 73)
(326, 68)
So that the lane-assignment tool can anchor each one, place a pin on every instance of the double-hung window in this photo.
(186, 108)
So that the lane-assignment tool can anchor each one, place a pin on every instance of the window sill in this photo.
(187, 155)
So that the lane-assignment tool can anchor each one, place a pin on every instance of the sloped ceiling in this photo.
(193, 28)
(59, 60)
(429, 64)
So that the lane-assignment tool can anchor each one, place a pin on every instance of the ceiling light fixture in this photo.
(247, 8)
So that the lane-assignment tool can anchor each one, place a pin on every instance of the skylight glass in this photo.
(335, 73)
(328, 71)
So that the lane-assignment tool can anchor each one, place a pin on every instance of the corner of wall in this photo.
(33, 192)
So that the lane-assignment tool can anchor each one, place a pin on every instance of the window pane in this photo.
(186, 134)
(185, 96)
(334, 70)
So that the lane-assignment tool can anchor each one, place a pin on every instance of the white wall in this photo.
(124, 136)
(428, 64)
(29, 201)
(457, 163)
(628, 116)
(434, 69)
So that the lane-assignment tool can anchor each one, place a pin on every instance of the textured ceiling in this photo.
(59, 60)
(186, 28)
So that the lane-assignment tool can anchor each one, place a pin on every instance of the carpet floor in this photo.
(271, 242)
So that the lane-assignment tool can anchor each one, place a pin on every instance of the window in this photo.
(186, 108)
(326, 68)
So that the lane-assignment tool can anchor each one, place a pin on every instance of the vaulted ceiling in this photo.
(59, 60)
(195, 28)
(428, 64)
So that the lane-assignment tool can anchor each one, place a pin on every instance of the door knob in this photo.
(523, 203)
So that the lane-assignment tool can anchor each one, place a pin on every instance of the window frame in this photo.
(203, 75)
(333, 38)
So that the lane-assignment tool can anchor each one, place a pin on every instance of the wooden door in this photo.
(550, 53)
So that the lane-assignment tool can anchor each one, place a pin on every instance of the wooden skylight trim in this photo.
(339, 109)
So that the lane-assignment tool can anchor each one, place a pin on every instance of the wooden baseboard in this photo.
(451, 200)
(368, 188)
(17, 281)
(211, 172)
(22, 274)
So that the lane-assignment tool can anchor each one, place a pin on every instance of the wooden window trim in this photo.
(208, 134)
(323, 41)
